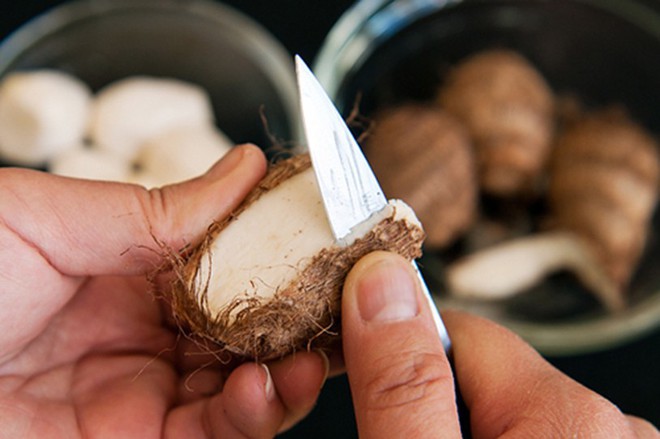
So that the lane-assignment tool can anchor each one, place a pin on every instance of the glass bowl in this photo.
(246, 72)
(605, 51)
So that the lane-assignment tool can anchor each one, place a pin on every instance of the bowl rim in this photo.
(572, 338)
(369, 21)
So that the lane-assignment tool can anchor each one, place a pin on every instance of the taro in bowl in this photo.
(593, 56)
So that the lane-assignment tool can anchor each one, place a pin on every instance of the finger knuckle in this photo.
(156, 207)
(576, 412)
(598, 417)
(408, 379)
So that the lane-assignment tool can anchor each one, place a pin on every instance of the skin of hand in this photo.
(86, 351)
(403, 386)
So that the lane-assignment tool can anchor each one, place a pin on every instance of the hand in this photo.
(402, 383)
(86, 351)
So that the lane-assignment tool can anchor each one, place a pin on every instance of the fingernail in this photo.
(229, 161)
(234, 157)
(269, 387)
(387, 292)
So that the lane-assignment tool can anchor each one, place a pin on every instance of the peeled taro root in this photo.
(508, 109)
(131, 111)
(84, 161)
(267, 280)
(423, 156)
(510, 267)
(604, 181)
(179, 154)
(42, 113)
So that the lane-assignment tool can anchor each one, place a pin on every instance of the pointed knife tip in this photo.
(301, 64)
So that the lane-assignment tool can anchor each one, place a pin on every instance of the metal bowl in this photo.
(243, 68)
(605, 51)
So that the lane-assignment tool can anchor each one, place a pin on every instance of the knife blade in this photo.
(349, 189)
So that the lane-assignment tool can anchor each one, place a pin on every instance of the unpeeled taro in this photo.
(508, 109)
(267, 280)
(604, 180)
(423, 155)
(603, 190)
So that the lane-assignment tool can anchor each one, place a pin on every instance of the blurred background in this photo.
(626, 374)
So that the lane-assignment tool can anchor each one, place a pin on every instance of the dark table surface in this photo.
(628, 375)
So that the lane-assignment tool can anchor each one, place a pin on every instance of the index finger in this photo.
(510, 389)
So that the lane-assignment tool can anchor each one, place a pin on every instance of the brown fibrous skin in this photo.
(301, 315)
(604, 178)
(508, 109)
(423, 156)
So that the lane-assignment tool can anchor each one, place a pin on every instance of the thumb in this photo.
(400, 377)
(85, 227)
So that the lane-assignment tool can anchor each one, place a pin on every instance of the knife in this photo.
(350, 191)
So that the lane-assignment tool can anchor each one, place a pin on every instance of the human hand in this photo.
(86, 351)
(402, 384)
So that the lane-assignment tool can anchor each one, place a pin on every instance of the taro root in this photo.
(603, 190)
(509, 268)
(85, 161)
(179, 154)
(133, 110)
(141, 129)
(267, 280)
(604, 180)
(508, 109)
(423, 155)
(42, 113)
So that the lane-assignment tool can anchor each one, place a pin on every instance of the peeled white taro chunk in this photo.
(267, 280)
(42, 113)
(90, 163)
(180, 154)
(509, 268)
(131, 111)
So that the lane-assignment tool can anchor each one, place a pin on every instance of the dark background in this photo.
(627, 375)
